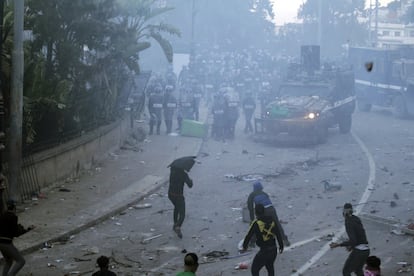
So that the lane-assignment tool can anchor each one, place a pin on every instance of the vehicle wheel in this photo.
(399, 107)
(364, 106)
(345, 123)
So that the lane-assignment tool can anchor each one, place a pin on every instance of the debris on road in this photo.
(242, 265)
(151, 238)
(142, 206)
(329, 187)
(92, 251)
(405, 267)
(216, 254)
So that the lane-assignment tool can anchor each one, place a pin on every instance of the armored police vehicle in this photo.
(306, 105)
(384, 78)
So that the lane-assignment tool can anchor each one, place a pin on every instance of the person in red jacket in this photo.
(10, 228)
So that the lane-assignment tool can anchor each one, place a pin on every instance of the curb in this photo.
(118, 209)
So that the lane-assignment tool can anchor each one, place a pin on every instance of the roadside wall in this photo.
(69, 159)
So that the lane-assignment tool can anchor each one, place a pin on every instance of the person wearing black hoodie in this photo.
(357, 243)
(265, 230)
(178, 177)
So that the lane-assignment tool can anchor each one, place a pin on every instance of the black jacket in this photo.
(178, 178)
(355, 231)
(9, 227)
(265, 230)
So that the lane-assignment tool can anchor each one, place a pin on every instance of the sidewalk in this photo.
(122, 180)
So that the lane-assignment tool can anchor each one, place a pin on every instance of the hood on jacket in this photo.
(257, 186)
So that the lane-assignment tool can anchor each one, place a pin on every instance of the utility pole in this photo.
(320, 23)
(16, 103)
(376, 22)
(192, 28)
(369, 23)
(2, 114)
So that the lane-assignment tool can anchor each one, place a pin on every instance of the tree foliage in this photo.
(81, 59)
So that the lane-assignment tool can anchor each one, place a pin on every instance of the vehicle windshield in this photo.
(303, 90)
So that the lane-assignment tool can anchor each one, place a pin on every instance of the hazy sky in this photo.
(286, 10)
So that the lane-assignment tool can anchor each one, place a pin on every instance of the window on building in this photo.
(397, 33)
(385, 33)
(411, 33)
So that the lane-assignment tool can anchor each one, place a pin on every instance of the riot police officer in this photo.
(169, 106)
(197, 95)
(155, 102)
(185, 106)
(218, 108)
(249, 106)
(231, 112)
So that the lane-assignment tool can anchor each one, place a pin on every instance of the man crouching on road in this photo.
(357, 243)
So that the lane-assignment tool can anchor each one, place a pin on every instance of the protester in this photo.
(258, 196)
(357, 243)
(190, 265)
(179, 177)
(9, 229)
(103, 263)
(372, 266)
(265, 230)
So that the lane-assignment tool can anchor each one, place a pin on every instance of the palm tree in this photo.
(83, 53)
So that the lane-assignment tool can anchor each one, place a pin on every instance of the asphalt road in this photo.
(370, 168)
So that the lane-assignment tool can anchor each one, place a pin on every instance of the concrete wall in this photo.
(67, 160)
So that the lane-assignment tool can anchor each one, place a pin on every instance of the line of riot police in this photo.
(164, 105)
(228, 82)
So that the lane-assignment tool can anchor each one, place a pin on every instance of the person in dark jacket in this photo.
(9, 229)
(169, 107)
(155, 104)
(258, 196)
(249, 106)
(178, 177)
(265, 230)
(357, 243)
(103, 263)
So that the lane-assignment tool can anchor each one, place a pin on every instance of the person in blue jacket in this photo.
(258, 196)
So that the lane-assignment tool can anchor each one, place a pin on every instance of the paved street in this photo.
(141, 241)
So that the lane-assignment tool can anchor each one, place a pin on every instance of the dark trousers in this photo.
(355, 262)
(179, 209)
(10, 254)
(264, 258)
(248, 125)
(168, 125)
(155, 120)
